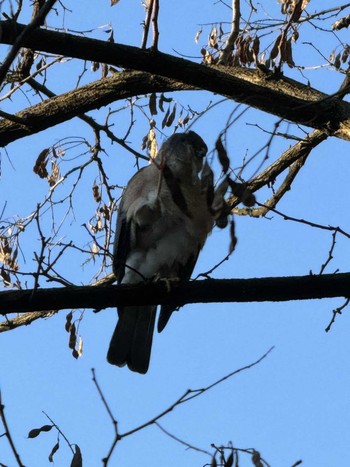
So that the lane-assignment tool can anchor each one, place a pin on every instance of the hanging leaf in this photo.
(222, 155)
(77, 460)
(53, 451)
(152, 104)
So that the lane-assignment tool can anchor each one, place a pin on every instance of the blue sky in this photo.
(293, 405)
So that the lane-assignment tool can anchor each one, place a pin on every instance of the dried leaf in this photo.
(5, 276)
(165, 117)
(53, 451)
(287, 53)
(114, 2)
(233, 242)
(152, 143)
(77, 460)
(171, 117)
(163, 99)
(213, 38)
(207, 183)
(256, 47)
(152, 104)
(72, 337)
(256, 459)
(276, 48)
(229, 461)
(222, 154)
(68, 321)
(55, 172)
(40, 163)
(196, 37)
(80, 347)
(96, 193)
(341, 23)
(337, 62)
(36, 431)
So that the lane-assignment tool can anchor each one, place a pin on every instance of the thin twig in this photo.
(8, 434)
(35, 23)
(189, 446)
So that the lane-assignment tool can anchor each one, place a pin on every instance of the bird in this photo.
(164, 218)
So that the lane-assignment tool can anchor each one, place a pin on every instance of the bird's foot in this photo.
(168, 281)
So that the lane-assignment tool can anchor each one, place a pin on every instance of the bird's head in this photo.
(184, 154)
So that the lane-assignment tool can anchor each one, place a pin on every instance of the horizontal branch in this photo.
(266, 91)
(272, 289)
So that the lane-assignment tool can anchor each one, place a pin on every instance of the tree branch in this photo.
(268, 92)
(206, 291)
(74, 103)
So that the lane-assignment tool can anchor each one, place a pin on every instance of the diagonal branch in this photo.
(74, 103)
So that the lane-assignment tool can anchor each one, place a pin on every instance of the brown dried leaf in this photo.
(233, 242)
(40, 163)
(152, 104)
(36, 431)
(95, 66)
(222, 155)
(171, 117)
(72, 337)
(207, 183)
(212, 42)
(256, 459)
(5, 276)
(341, 23)
(256, 47)
(68, 321)
(163, 99)
(337, 62)
(276, 48)
(165, 117)
(53, 451)
(96, 193)
(287, 52)
(229, 461)
(114, 2)
(77, 460)
(55, 172)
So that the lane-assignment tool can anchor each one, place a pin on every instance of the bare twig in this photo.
(149, 11)
(186, 397)
(35, 23)
(155, 24)
(189, 446)
(8, 434)
(330, 253)
(230, 42)
(337, 311)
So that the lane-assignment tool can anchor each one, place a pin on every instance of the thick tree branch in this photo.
(207, 291)
(271, 93)
(72, 104)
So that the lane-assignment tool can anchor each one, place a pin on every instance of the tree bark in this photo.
(265, 91)
(272, 289)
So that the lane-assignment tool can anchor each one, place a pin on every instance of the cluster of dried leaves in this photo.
(247, 46)
(77, 460)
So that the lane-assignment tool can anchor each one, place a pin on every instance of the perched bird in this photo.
(164, 218)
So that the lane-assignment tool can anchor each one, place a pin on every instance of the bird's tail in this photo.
(131, 342)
